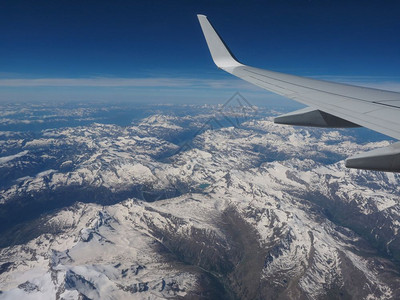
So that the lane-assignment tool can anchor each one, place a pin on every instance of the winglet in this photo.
(220, 53)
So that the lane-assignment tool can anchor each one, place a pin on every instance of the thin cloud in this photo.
(124, 82)
(384, 83)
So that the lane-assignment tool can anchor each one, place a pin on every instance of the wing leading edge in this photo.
(329, 104)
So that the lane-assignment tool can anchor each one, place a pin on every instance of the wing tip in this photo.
(220, 52)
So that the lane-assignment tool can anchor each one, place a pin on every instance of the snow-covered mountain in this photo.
(191, 207)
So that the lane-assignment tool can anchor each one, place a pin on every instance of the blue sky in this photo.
(155, 51)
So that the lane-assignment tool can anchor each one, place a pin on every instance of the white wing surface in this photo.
(330, 104)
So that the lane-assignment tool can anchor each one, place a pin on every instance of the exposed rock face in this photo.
(151, 211)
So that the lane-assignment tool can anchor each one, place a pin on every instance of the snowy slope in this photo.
(257, 211)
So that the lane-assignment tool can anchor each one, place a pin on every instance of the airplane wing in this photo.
(329, 104)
